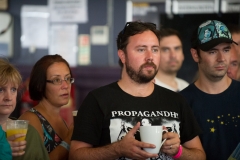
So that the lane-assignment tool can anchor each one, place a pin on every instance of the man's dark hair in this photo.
(194, 41)
(166, 32)
(131, 29)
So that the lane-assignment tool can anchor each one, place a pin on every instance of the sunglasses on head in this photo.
(144, 24)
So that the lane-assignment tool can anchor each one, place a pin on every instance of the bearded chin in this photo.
(139, 76)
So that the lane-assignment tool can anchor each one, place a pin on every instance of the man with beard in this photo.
(214, 97)
(104, 111)
(171, 60)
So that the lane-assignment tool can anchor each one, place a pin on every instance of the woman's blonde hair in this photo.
(8, 73)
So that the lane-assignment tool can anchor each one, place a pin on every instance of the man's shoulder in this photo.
(166, 93)
(181, 81)
(163, 89)
(234, 87)
(189, 89)
(160, 83)
(112, 87)
(235, 82)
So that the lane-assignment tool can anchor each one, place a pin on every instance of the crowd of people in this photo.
(202, 118)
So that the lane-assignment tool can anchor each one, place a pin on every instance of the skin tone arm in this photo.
(59, 153)
(127, 147)
(131, 148)
(191, 150)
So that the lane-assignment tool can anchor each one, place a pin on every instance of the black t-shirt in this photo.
(219, 118)
(108, 113)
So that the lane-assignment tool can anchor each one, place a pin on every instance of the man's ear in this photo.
(122, 56)
(194, 55)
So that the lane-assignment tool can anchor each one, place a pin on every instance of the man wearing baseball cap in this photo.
(214, 97)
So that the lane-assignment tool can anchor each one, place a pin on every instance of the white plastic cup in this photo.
(17, 127)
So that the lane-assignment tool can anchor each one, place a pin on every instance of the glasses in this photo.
(58, 81)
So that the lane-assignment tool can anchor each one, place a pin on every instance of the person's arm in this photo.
(191, 150)
(59, 153)
(191, 145)
(127, 147)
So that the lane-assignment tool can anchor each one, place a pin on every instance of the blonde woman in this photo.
(32, 147)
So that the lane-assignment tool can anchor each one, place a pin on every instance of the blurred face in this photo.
(233, 66)
(8, 98)
(236, 38)
(142, 57)
(58, 94)
(214, 63)
(171, 54)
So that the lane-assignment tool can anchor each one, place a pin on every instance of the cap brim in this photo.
(211, 44)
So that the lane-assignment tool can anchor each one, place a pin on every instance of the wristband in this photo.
(179, 153)
(65, 145)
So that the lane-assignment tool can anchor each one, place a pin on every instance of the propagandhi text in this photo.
(145, 114)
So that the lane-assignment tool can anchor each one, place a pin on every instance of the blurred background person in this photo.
(10, 80)
(235, 31)
(50, 84)
(234, 64)
(171, 60)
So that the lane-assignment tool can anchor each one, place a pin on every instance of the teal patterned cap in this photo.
(211, 33)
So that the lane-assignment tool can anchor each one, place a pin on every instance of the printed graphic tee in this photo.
(108, 113)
